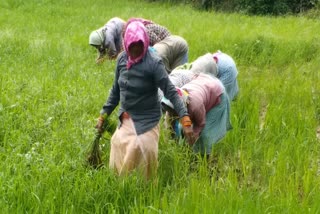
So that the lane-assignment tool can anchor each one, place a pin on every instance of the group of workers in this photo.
(154, 79)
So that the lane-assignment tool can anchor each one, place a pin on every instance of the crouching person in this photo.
(138, 75)
(108, 39)
(173, 51)
(218, 64)
(209, 109)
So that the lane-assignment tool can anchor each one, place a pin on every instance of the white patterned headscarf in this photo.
(205, 64)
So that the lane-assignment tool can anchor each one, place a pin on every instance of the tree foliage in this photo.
(254, 7)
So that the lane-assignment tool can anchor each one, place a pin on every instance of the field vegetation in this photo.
(51, 92)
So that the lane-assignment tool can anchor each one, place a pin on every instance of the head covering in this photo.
(135, 32)
(96, 37)
(182, 94)
(215, 55)
(205, 64)
(144, 21)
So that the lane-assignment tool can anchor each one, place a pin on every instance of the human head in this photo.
(205, 64)
(145, 22)
(136, 42)
(142, 20)
(96, 38)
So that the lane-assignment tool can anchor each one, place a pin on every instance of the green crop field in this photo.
(51, 92)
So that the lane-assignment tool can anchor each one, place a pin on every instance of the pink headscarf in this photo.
(135, 32)
(144, 21)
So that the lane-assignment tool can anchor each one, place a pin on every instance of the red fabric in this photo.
(125, 115)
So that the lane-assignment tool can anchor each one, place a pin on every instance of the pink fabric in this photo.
(183, 94)
(135, 32)
(204, 93)
(179, 91)
(215, 56)
(144, 21)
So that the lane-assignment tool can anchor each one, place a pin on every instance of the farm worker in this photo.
(108, 39)
(183, 74)
(209, 108)
(173, 51)
(138, 75)
(155, 31)
(221, 66)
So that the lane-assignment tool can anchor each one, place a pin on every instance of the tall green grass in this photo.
(52, 91)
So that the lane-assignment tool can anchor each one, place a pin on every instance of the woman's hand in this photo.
(188, 129)
(100, 123)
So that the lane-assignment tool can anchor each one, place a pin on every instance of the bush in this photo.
(253, 7)
(278, 7)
